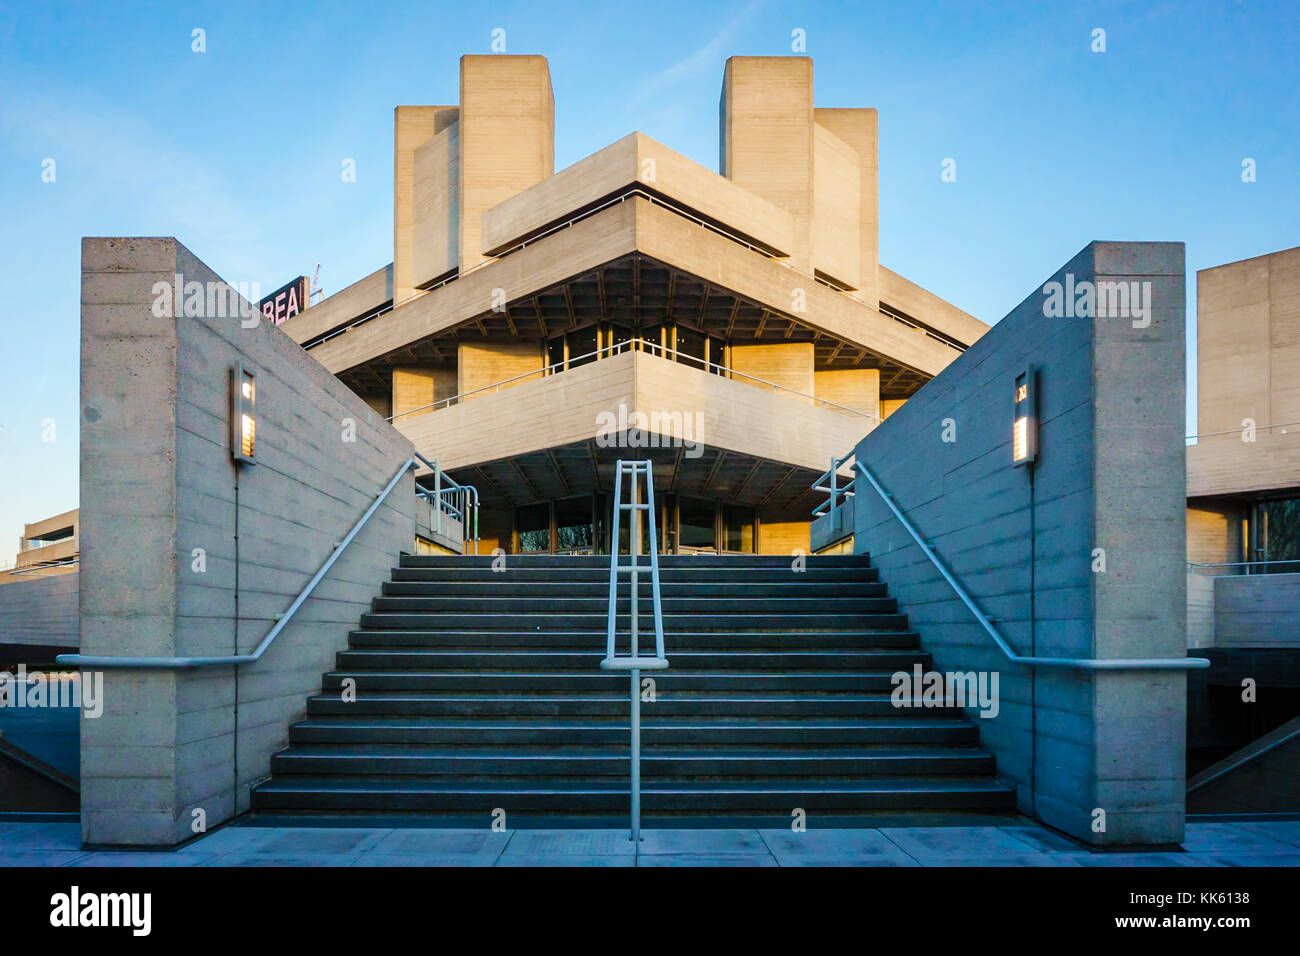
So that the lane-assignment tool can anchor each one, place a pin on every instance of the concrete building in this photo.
(48, 546)
(739, 323)
(1243, 536)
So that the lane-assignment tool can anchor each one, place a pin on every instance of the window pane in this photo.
(738, 528)
(717, 355)
(690, 345)
(651, 335)
(573, 531)
(533, 522)
(1279, 523)
(582, 343)
(555, 352)
(695, 516)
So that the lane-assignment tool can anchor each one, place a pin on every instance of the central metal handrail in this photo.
(634, 662)
(1075, 663)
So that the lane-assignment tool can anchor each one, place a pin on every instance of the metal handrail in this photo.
(654, 200)
(634, 663)
(1075, 663)
(1249, 758)
(181, 663)
(834, 491)
(615, 349)
(442, 500)
(1242, 564)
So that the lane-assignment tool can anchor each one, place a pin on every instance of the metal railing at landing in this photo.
(282, 621)
(633, 662)
(1071, 663)
(447, 499)
(655, 199)
(632, 345)
(1282, 566)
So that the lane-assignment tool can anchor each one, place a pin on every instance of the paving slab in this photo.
(1284, 831)
(239, 858)
(1232, 838)
(709, 842)
(45, 836)
(425, 859)
(469, 846)
(128, 858)
(1138, 859)
(1043, 840)
(229, 839)
(706, 859)
(835, 848)
(925, 844)
(40, 857)
(305, 840)
(566, 859)
(578, 843)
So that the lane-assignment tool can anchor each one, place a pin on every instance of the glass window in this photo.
(573, 530)
(1277, 526)
(653, 335)
(582, 343)
(555, 352)
(696, 527)
(533, 524)
(738, 528)
(691, 347)
(717, 355)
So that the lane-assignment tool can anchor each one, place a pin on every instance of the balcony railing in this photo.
(639, 345)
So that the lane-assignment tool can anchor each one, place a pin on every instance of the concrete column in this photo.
(184, 553)
(413, 127)
(1081, 558)
(858, 129)
(507, 137)
(767, 137)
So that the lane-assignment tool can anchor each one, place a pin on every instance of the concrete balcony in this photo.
(685, 411)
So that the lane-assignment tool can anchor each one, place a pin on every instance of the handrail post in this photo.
(437, 497)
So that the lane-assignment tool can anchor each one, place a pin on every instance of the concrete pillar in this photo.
(1082, 557)
(164, 572)
(856, 388)
(766, 124)
(784, 363)
(415, 387)
(413, 126)
(858, 129)
(507, 137)
(490, 363)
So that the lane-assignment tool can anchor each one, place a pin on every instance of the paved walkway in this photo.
(1207, 844)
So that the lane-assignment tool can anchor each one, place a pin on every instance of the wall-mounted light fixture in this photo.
(243, 414)
(1024, 419)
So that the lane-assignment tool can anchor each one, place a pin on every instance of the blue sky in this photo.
(237, 151)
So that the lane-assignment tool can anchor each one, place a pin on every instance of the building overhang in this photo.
(560, 434)
(571, 268)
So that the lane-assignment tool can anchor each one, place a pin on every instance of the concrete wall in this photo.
(507, 137)
(1248, 351)
(1110, 475)
(413, 127)
(157, 482)
(766, 127)
(836, 225)
(858, 128)
(1257, 610)
(39, 611)
(1200, 610)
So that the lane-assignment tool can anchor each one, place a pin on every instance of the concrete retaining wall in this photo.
(1257, 610)
(38, 612)
(185, 554)
(1110, 476)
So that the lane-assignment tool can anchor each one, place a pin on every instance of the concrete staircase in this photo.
(478, 690)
